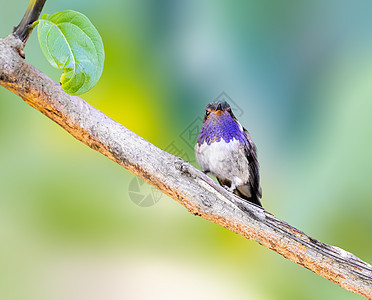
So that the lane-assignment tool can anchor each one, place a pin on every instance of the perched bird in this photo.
(225, 150)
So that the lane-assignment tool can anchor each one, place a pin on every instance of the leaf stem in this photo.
(33, 25)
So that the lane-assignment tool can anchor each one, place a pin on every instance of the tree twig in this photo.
(175, 177)
(24, 28)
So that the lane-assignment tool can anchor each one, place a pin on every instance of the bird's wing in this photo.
(254, 175)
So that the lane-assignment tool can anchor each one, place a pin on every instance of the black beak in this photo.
(219, 107)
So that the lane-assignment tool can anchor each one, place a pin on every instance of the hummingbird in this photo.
(226, 150)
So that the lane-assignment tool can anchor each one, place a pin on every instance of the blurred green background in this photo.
(300, 73)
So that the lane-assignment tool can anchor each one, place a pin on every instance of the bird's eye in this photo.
(207, 112)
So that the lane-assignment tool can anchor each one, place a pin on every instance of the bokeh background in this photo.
(72, 224)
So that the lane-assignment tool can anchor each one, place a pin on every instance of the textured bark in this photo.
(175, 177)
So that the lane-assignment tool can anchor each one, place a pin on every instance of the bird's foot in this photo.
(229, 188)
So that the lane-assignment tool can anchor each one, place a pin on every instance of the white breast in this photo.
(224, 160)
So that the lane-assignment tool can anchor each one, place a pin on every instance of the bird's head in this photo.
(217, 109)
(219, 123)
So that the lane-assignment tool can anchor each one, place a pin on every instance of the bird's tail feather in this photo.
(254, 199)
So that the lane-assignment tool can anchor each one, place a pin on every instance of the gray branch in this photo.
(176, 177)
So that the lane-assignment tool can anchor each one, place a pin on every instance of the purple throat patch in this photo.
(218, 127)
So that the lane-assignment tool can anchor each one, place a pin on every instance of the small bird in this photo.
(225, 150)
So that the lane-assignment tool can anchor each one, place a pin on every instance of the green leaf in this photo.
(70, 42)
